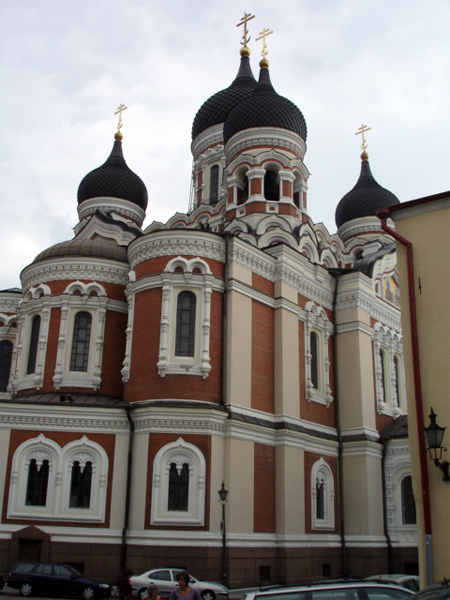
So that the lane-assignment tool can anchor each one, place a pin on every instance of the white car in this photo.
(166, 580)
(410, 582)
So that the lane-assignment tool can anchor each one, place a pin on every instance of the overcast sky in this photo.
(67, 64)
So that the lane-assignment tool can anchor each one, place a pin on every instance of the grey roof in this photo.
(365, 199)
(217, 108)
(72, 399)
(398, 428)
(367, 263)
(114, 179)
(96, 247)
(265, 108)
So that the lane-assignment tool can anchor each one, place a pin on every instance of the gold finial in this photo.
(361, 131)
(245, 50)
(118, 135)
(264, 63)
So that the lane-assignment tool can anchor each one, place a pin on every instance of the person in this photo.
(125, 587)
(184, 590)
(152, 592)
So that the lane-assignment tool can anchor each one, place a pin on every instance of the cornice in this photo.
(61, 269)
(123, 207)
(265, 136)
(9, 302)
(207, 138)
(176, 242)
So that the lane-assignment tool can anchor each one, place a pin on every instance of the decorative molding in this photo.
(271, 137)
(108, 204)
(75, 268)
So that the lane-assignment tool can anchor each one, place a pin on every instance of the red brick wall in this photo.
(263, 357)
(18, 437)
(157, 265)
(255, 186)
(263, 285)
(156, 442)
(310, 459)
(264, 518)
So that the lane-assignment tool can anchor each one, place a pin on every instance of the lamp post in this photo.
(434, 435)
(223, 495)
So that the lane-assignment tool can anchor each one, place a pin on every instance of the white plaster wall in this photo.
(139, 481)
(239, 472)
(5, 435)
(217, 476)
(290, 490)
(239, 349)
(287, 376)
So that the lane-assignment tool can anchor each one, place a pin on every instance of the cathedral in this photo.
(237, 346)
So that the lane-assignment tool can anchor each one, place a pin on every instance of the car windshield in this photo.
(440, 593)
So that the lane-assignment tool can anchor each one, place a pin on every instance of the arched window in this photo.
(80, 485)
(185, 332)
(80, 342)
(271, 187)
(6, 349)
(408, 504)
(214, 184)
(383, 375)
(396, 381)
(178, 487)
(313, 341)
(37, 483)
(34, 341)
(322, 496)
(242, 193)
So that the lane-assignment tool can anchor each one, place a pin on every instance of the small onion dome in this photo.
(217, 108)
(95, 247)
(365, 198)
(265, 108)
(114, 179)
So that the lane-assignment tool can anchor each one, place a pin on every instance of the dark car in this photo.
(55, 579)
(438, 591)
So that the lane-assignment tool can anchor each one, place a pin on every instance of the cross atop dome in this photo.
(118, 135)
(264, 63)
(245, 50)
(361, 131)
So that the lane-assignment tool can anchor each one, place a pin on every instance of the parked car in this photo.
(358, 590)
(410, 582)
(55, 579)
(438, 591)
(166, 580)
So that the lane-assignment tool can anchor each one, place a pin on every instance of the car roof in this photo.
(327, 586)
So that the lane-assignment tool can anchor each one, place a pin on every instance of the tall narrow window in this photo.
(178, 487)
(320, 498)
(397, 381)
(383, 375)
(37, 483)
(80, 344)
(271, 187)
(34, 341)
(408, 504)
(214, 184)
(6, 348)
(80, 485)
(313, 343)
(185, 333)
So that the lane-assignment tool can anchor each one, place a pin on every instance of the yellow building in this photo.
(422, 232)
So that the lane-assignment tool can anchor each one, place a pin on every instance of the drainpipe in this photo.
(385, 519)
(336, 273)
(123, 549)
(383, 215)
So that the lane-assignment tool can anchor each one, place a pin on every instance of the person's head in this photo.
(152, 591)
(183, 575)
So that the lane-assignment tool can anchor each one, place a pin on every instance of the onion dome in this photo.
(217, 108)
(265, 108)
(95, 247)
(365, 199)
(114, 179)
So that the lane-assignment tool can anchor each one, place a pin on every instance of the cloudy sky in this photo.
(67, 64)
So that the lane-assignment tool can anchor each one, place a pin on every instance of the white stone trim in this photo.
(179, 451)
(265, 136)
(108, 204)
(322, 473)
(58, 489)
(316, 321)
(390, 343)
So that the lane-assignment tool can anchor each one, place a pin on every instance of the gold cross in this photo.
(361, 131)
(120, 109)
(244, 20)
(262, 36)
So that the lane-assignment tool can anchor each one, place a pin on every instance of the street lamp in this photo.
(434, 435)
(223, 495)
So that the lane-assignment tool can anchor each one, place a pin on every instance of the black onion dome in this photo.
(95, 247)
(114, 179)
(265, 108)
(365, 199)
(217, 108)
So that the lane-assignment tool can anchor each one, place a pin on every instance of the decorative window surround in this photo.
(8, 332)
(179, 276)
(321, 473)
(36, 302)
(131, 295)
(72, 303)
(179, 452)
(60, 472)
(389, 342)
(316, 321)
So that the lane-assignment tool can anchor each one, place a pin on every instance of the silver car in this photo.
(358, 590)
(166, 580)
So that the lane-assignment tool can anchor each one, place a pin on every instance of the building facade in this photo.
(238, 342)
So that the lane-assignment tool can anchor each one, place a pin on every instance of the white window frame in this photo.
(81, 297)
(201, 285)
(321, 470)
(59, 480)
(8, 333)
(389, 342)
(179, 452)
(316, 321)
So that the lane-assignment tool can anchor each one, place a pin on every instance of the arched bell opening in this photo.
(242, 187)
(298, 201)
(271, 185)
